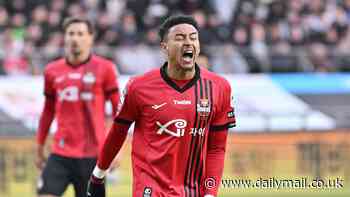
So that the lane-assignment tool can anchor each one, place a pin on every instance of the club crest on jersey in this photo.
(89, 78)
(203, 107)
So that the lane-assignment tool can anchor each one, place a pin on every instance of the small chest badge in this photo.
(203, 107)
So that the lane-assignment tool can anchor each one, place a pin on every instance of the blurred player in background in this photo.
(182, 113)
(76, 89)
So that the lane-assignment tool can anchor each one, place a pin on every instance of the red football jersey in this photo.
(171, 129)
(80, 92)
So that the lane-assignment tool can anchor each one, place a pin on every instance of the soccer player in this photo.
(182, 113)
(76, 88)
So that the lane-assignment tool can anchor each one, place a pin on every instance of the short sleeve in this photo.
(110, 80)
(224, 117)
(49, 90)
(128, 108)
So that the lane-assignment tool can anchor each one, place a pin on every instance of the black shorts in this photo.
(60, 171)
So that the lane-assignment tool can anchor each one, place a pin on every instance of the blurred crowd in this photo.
(237, 36)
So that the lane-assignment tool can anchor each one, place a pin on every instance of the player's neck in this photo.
(178, 73)
(77, 60)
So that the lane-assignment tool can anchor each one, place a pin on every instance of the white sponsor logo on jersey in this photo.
(197, 131)
(70, 93)
(87, 96)
(180, 125)
(74, 75)
(182, 102)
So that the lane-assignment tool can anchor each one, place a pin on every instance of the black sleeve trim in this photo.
(122, 121)
(113, 90)
(222, 127)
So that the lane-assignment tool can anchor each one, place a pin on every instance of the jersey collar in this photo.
(171, 83)
(80, 64)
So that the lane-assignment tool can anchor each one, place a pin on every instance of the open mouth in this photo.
(187, 56)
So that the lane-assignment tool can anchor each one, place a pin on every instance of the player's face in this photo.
(78, 39)
(182, 46)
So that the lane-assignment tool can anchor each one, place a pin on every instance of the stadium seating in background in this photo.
(242, 36)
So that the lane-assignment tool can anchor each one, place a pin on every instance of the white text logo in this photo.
(182, 102)
(197, 131)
